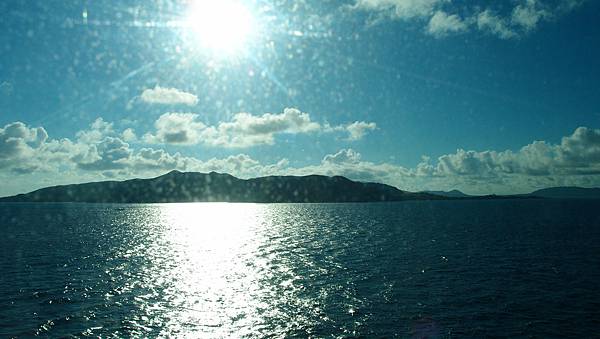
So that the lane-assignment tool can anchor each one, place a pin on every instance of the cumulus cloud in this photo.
(19, 142)
(524, 16)
(98, 130)
(129, 135)
(244, 129)
(349, 163)
(574, 161)
(99, 148)
(168, 96)
(29, 151)
(156, 159)
(358, 129)
(342, 157)
(355, 131)
(177, 128)
(159, 160)
(247, 130)
(580, 151)
(102, 150)
(108, 154)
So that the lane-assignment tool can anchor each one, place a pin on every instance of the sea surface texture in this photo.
(445, 269)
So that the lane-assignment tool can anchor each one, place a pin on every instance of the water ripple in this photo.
(422, 269)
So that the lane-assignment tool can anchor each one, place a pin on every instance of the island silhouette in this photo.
(176, 186)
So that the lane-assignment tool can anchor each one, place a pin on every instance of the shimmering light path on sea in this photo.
(412, 269)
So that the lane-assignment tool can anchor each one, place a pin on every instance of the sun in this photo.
(221, 26)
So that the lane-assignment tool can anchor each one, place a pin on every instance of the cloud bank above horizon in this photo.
(101, 151)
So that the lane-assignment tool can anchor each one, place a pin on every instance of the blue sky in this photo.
(433, 94)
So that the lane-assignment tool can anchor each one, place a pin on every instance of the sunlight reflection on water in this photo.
(214, 287)
(222, 270)
(439, 269)
(224, 273)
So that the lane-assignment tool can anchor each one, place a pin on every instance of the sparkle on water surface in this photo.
(216, 282)
(413, 269)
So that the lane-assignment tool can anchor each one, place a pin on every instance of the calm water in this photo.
(411, 269)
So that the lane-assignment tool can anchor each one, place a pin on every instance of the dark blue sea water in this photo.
(446, 269)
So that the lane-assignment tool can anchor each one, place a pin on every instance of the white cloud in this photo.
(524, 16)
(129, 135)
(247, 130)
(241, 164)
(574, 161)
(176, 128)
(244, 129)
(18, 142)
(98, 130)
(108, 154)
(28, 151)
(490, 22)
(402, 9)
(342, 157)
(349, 163)
(158, 160)
(580, 151)
(441, 24)
(168, 96)
(577, 154)
(528, 14)
(355, 131)
(358, 129)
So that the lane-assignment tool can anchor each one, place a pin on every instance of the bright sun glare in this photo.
(221, 26)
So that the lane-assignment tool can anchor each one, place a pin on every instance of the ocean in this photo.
(422, 269)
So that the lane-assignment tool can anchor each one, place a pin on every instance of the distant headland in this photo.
(178, 186)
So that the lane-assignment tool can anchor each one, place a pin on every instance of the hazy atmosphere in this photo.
(481, 96)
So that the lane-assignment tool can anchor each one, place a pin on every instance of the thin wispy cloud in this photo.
(445, 17)
(488, 21)
(442, 24)
(529, 14)
(400, 9)
(6, 88)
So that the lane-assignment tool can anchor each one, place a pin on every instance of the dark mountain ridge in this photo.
(567, 192)
(178, 186)
(450, 194)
